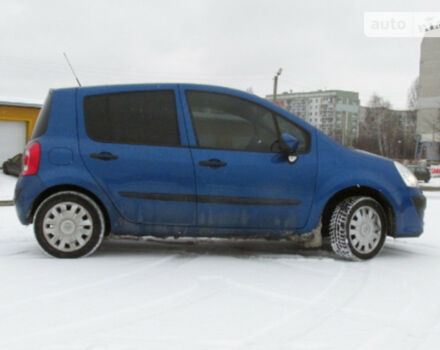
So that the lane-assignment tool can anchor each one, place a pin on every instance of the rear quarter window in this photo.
(43, 118)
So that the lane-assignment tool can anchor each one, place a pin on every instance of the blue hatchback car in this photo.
(194, 160)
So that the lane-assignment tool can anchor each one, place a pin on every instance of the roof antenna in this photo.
(71, 68)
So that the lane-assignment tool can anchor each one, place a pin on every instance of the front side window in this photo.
(288, 127)
(230, 123)
(138, 117)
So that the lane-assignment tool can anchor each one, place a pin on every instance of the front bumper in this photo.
(420, 204)
(410, 213)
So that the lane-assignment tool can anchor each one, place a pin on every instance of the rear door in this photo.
(133, 143)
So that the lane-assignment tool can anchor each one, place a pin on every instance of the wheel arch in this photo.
(358, 191)
(60, 188)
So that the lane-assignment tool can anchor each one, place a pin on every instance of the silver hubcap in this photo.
(67, 226)
(365, 230)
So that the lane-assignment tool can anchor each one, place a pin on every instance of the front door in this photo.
(131, 142)
(243, 181)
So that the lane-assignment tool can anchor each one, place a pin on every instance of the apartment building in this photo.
(335, 112)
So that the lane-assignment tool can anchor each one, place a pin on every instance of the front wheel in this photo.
(69, 224)
(358, 228)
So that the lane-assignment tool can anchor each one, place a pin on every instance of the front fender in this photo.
(341, 168)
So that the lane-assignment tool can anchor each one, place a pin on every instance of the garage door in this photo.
(12, 139)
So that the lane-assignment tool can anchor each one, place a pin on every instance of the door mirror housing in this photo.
(289, 144)
(290, 141)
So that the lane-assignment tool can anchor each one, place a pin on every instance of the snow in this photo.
(7, 185)
(434, 182)
(215, 294)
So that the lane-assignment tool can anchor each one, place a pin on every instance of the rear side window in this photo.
(43, 118)
(140, 117)
(231, 123)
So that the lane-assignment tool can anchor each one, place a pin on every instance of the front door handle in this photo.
(103, 156)
(213, 163)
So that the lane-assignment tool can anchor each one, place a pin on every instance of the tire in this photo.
(69, 224)
(358, 228)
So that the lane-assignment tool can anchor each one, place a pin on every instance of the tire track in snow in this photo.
(399, 328)
(413, 244)
(313, 306)
(388, 326)
(56, 330)
(38, 298)
(123, 312)
(337, 307)
(249, 341)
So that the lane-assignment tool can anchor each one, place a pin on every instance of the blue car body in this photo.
(163, 190)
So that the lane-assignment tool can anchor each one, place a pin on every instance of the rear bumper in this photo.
(27, 190)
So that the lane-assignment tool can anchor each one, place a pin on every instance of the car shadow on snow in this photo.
(241, 248)
(408, 248)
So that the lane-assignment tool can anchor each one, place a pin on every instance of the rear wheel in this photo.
(358, 228)
(69, 225)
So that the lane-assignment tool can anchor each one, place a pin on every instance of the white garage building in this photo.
(17, 121)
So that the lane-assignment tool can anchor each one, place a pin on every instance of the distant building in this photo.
(428, 104)
(335, 112)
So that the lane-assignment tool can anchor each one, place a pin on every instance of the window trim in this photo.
(42, 122)
(273, 113)
(176, 108)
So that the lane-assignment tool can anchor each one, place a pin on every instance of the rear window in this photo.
(43, 118)
(140, 117)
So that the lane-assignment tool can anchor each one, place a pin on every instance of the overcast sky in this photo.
(240, 44)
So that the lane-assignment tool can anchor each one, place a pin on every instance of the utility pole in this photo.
(344, 127)
(275, 84)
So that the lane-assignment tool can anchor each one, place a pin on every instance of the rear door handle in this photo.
(103, 156)
(213, 163)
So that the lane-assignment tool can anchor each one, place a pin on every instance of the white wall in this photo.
(12, 139)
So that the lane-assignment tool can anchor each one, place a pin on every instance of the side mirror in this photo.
(289, 145)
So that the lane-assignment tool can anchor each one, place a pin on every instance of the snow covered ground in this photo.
(434, 182)
(7, 185)
(219, 295)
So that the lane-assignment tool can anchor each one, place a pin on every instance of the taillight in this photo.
(31, 159)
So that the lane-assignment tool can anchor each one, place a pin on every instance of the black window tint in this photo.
(43, 118)
(226, 122)
(140, 117)
(288, 127)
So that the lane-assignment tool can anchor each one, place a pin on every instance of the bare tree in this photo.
(385, 131)
(413, 94)
(377, 117)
